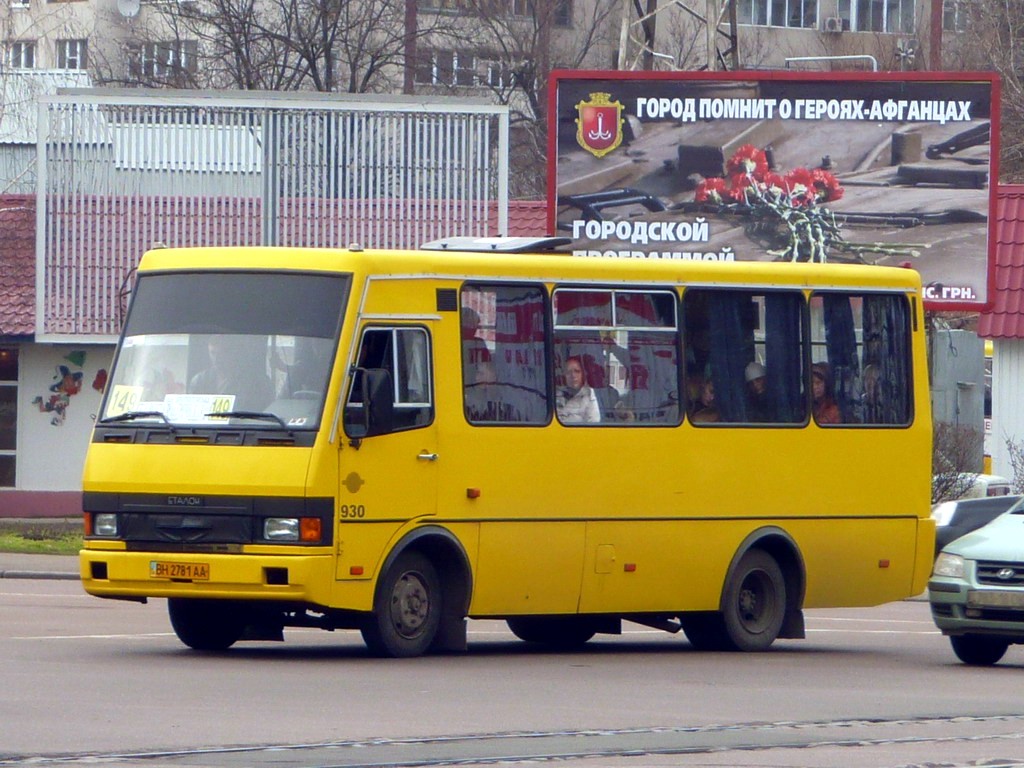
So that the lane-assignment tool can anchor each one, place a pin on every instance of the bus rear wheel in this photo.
(407, 608)
(754, 603)
(978, 650)
(206, 625)
(561, 632)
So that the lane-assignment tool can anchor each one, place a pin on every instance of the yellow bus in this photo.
(399, 441)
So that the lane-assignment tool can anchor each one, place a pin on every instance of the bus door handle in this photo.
(427, 456)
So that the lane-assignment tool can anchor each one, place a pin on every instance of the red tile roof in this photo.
(18, 262)
(17, 265)
(1005, 320)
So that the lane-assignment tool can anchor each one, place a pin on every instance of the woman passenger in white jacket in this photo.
(576, 402)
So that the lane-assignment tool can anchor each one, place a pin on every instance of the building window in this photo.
(884, 16)
(463, 70)
(8, 414)
(778, 13)
(71, 54)
(21, 54)
(168, 58)
(954, 16)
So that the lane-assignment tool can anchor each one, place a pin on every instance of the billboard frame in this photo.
(939, 294)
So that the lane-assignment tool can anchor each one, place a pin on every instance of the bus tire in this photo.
(978, 650)
(754, 602)
(206, 625)
(407, 608)
(562, 632)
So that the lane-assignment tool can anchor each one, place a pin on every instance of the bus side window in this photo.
(504, 358)
(404, 352)
(626, 344)
(744, 356)
(864, 340)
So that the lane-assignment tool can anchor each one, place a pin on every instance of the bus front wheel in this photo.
(754, 603)
(206, 625)
(407, 608)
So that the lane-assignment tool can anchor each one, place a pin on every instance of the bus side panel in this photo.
(529, 567)
(858, 562)
(657, 565)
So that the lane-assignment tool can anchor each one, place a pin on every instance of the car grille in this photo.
(1000, 574)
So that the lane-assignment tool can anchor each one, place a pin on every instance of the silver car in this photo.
(976, 590)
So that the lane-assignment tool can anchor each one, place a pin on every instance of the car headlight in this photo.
(943, 513)
(949, 565)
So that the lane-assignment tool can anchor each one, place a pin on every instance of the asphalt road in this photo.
(95, 682)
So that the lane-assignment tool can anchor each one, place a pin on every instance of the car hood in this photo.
(1002, 539)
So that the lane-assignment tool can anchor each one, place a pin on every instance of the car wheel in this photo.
(978, 650)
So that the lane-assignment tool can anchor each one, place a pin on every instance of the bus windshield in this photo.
(227, 348)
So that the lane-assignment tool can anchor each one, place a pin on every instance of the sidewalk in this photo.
(17, 566)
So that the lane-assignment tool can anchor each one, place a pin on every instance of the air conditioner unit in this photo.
(833, 24)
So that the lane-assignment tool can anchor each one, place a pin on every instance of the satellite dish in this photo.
(128, 8)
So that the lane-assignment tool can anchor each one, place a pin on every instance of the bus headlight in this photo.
(104, 524)
(305, 529)
(949, 565)
(281, 528)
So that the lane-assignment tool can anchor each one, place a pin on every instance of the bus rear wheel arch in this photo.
(754, 602)
(761, 600)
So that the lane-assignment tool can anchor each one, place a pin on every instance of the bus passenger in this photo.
(705, 410)
(484, 397)
(576, 402)
(826, 410)
(237, 367)
(757, 392)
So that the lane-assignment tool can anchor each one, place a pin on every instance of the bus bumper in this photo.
(301, 578)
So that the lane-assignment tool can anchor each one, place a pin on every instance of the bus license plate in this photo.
(159, 569)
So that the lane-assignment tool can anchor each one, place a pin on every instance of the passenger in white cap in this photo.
(757, 392)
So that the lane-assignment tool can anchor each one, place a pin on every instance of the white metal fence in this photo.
(119, 173)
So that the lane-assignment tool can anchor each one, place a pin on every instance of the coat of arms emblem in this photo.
(599, 125)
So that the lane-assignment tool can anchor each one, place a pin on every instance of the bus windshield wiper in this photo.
(247, 415)
(132, 415)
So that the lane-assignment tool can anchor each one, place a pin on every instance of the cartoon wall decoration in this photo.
(67, 382)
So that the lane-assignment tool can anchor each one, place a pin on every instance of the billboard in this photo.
(895, 169)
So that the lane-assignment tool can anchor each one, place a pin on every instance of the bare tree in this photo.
(1015, 450)
(992, 38)
(511, 48)
(954, 459)
(354, 46)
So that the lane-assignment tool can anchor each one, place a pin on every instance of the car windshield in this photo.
(214, 349)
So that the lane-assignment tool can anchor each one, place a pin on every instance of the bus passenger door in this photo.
(388, 456)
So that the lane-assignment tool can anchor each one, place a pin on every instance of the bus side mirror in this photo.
(378, 402)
